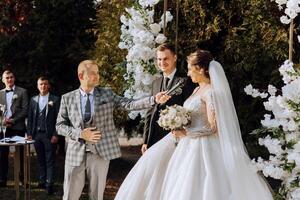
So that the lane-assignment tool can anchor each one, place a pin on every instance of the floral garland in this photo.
(281, 127)
(139, 36)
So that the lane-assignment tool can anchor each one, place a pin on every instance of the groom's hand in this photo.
(144, 148)
(162, 97)
(91, 134)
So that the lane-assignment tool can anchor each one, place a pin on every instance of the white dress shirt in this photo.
(9, 100)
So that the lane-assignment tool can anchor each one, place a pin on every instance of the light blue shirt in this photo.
(83, 99)
(43, 101)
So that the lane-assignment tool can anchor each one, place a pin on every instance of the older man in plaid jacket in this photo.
(86, 120)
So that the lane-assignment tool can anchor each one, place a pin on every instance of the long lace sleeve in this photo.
(210, 110)
(203, 116)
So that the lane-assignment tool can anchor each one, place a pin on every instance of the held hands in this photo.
(91, 134)
(179, 133)
(162, 97)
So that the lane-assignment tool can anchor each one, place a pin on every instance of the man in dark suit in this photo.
(15, 100)
(166, 60)
(43, 110)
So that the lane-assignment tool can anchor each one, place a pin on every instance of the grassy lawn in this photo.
(117, 172)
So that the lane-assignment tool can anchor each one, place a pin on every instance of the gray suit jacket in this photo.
(70, 122)
(19, 107)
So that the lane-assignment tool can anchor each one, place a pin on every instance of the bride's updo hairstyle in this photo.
(200, 59)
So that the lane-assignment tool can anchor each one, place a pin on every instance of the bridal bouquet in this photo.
(174, 117)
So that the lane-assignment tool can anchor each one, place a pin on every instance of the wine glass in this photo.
(3, 127)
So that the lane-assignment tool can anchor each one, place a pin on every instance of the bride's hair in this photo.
(201, 58)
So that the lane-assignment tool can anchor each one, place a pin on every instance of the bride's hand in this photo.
(179, 133)
(162, 97)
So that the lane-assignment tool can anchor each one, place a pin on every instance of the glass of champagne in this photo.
(3, 127)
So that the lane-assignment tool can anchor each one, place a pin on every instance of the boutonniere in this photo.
(15, 96)
(50, 103)
(2, 108)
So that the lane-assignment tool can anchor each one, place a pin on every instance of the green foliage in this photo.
(54, 40)
(106, 51)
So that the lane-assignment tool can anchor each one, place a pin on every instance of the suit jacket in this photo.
(19, 107)
(152, 131)
(51, 115)
(70, 122)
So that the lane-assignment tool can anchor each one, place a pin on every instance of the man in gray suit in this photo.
(86, 120)
(15, 100)
(42, 114)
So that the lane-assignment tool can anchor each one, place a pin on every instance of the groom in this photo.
(166, 60)
(86, 120)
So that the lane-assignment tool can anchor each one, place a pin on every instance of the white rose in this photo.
(155, 28)
(285, 20)
(15, 96)
(50, 103)
(160, 38)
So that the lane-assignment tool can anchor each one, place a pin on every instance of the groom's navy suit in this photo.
(152, 131)
(41, 126)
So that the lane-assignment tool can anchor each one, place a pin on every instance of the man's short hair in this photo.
(43, 78)
(84, 65)
(166, 46)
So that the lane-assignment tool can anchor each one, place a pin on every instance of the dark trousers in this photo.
(4, 151)
(45, 151)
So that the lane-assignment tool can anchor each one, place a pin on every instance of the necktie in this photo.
(11, 90)
(166, 81)
(87, 113)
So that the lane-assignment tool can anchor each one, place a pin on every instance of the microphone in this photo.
(177, 88)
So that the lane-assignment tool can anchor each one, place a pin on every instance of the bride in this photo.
(210, 161)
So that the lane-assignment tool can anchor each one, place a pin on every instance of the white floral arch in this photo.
(283, 119)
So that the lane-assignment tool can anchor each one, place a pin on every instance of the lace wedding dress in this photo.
(197, 169)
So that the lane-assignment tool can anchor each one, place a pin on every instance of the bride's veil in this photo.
(242, 175)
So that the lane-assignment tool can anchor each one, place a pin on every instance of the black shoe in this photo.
(49, 190)
(3, 184)
(41, 186)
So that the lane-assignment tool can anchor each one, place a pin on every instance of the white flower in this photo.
(291, 13)
(174, 117)
(297, 147)
(272, 171)
(298, 37)
(15, 96)
(272, 90)
(160, 38)
(281, 2)
(295, 156)
(248, 89)
(295, 194)
(169, 17)
(285, 20)
(146, 3)
(2, 108)
(155, 28)
(50, 103)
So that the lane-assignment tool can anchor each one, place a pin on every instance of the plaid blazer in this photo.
(70, 122)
